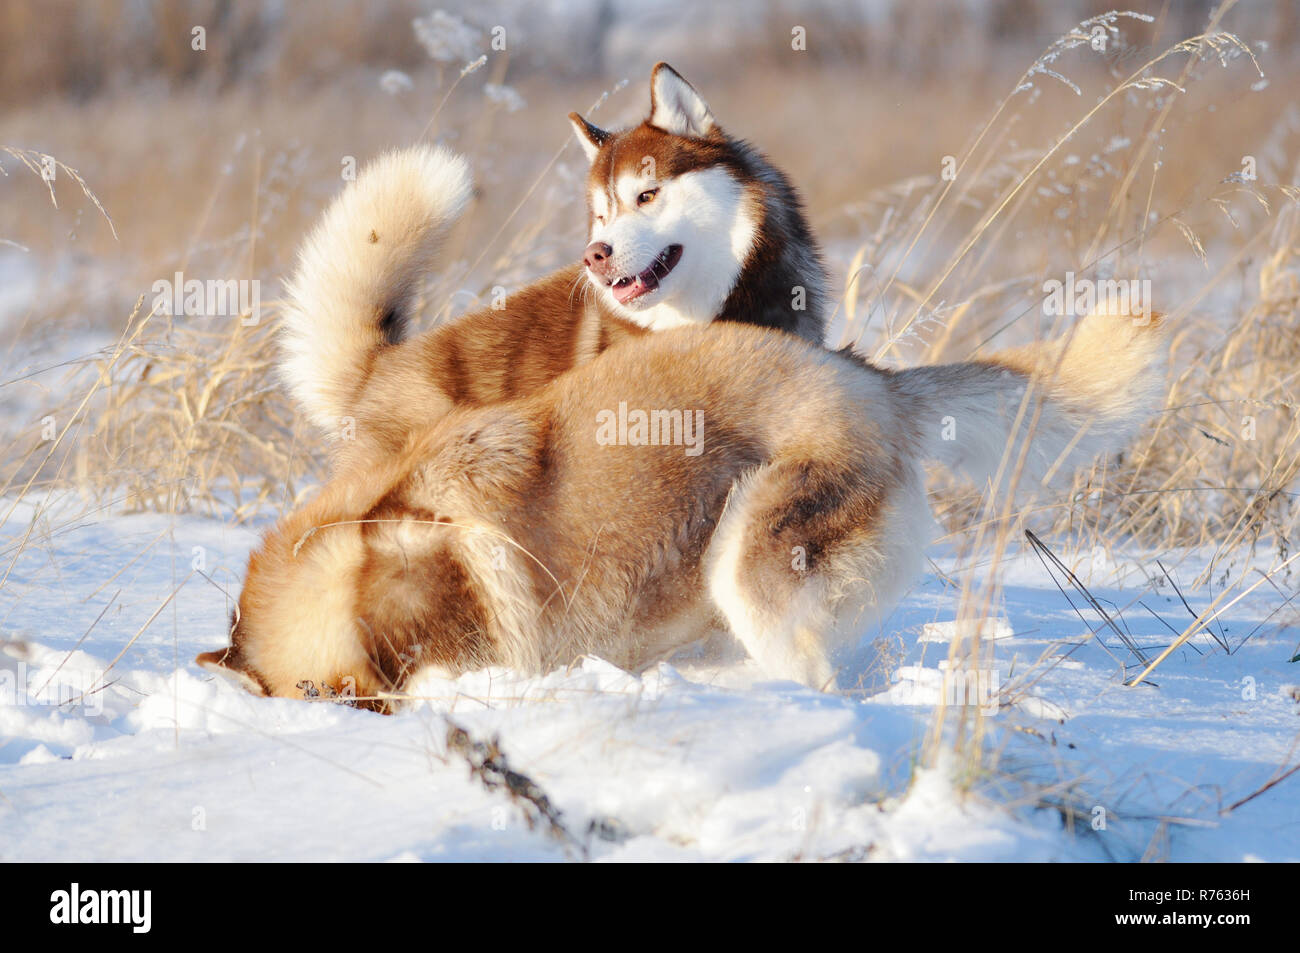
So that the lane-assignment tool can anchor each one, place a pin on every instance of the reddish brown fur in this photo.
(484, 357)
(616, 536)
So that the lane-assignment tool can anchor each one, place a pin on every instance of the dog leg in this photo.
(807, 554)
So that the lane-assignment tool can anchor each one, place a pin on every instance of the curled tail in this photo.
(359, 273)
(1089, 391)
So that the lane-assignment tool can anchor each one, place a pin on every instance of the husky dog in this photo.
(687, 226)
(583, 518)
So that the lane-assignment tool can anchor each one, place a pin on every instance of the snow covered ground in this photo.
(694, 760)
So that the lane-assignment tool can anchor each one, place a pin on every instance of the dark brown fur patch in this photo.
(801, 511)
(421, 609)
(484, 357)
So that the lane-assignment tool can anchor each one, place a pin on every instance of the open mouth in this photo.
(631, 287)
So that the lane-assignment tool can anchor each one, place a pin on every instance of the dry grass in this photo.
(942, 273)
(1129, 188)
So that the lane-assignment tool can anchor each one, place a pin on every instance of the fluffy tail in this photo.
(360, 270)
(1089, 391)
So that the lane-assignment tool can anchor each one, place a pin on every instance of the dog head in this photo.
(294, 633)
(673, 214)
(384, 575)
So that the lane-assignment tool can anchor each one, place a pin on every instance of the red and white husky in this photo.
(687, 226)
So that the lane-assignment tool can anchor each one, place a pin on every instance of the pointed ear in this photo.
(589, 137)
(228, 663)
(676, 107)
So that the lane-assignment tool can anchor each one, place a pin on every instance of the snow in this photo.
(700, 759)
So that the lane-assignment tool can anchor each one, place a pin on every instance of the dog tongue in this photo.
(643, 283)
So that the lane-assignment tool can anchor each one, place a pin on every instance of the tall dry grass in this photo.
(958, 263)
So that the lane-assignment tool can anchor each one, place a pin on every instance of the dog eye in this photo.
(647, 196)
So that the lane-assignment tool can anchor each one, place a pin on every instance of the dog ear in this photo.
(675, 106)
(229, 663)
(590, 137)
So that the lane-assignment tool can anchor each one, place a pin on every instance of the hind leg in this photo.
(806, 555)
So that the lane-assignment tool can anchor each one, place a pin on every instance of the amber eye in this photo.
(647, 196)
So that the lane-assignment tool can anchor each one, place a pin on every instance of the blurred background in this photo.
(1160, 145)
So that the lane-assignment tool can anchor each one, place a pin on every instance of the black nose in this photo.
(596, 256)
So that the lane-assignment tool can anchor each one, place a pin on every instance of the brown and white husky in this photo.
(724, 476)
(687, 226)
